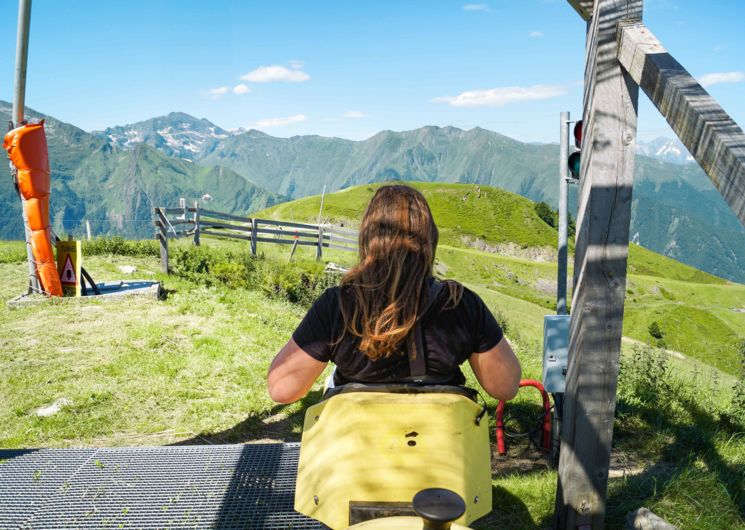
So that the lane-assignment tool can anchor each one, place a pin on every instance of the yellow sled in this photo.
(368, 449)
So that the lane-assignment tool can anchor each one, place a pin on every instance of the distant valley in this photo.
(116, 176)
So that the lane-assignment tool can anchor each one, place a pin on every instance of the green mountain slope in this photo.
(700, 315)
(675, 210)
(116, 189)
(464, 213)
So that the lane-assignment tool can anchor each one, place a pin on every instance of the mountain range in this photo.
(665, 149)
(116, 189)
(118, 174)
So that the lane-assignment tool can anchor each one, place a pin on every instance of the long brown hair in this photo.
(384, 294)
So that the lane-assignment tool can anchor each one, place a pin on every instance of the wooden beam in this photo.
(583, 7)
(601, 251)
(708, 132)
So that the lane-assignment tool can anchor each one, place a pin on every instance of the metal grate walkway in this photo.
(217, 486)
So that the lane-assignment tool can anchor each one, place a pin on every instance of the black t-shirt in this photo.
(450, 337)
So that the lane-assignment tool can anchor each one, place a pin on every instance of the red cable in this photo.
(546, 438)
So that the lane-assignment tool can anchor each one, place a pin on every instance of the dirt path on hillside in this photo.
(671, 353)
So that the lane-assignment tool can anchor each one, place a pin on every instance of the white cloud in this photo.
(275, 73)
(476, 7)
(536, 34)
(216, 93)
(296, 65)
(721, 77)
(496, 97)
(355, 114)
(241, 89)
(277, 122)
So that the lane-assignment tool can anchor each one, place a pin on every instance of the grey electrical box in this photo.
(555, 352)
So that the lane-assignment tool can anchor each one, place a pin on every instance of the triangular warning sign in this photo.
(67, 276)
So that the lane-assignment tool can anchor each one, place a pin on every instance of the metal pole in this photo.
(561, 288)
(19, 100)
(19, 95)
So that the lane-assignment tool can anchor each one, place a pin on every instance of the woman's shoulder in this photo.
(330, 296)
(468, 301)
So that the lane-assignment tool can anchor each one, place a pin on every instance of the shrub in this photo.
(736, 412)
(122, 247)
(655, 331)
(545, 212)
(299, 282)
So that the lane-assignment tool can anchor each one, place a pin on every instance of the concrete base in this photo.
(110, 291)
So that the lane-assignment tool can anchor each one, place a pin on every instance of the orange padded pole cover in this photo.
(27, 149)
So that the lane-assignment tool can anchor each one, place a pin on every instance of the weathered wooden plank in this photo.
(288, 233)
(197, 227)
(339, 230)
(228, 235)
(162, 238)
(171, 211)
(340, 247)
(319, 248)
(601, 251)
(286, 223)
(336, 237)
(708, 132)
(287, 241)
(253, 237)
(583, 7)
(218, 224)
(226, 216)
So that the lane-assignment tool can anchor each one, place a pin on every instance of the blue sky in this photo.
(347, 69)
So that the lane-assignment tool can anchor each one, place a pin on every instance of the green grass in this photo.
(491, 214)
(190, 368)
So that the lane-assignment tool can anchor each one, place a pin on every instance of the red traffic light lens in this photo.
(578, 134)
(574, 164)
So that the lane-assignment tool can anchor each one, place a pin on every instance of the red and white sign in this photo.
(67, 276)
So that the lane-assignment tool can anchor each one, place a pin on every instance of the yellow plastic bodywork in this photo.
(386, 447)
(397, 523)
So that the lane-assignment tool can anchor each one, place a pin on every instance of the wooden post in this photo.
(162, 224)
(708, 132)
(294, 247)
(253, 236)
(319, 249)
(196, 223)
(583, 7)
(601, 251)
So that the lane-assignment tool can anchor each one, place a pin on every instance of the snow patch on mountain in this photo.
(665, 149)
(176, 134)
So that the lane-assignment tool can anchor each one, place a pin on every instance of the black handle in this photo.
(438, 508)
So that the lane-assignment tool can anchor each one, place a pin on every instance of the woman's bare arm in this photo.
(497, 370)
(292, 373)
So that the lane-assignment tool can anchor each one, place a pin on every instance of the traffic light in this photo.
(574, 158)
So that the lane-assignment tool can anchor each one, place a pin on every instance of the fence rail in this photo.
(195, 222)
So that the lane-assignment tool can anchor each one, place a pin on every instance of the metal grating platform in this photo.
(217, 486)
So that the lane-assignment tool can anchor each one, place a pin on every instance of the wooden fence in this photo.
(195, 222)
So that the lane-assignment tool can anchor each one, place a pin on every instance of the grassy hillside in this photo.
(191, 368)
(697, 312)
(483, 213)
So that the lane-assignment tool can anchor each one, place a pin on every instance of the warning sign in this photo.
(69, 262)
(68, 276)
